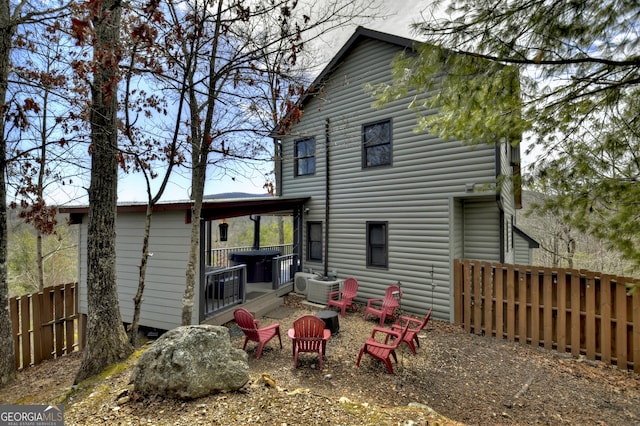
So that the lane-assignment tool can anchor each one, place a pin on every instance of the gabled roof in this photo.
(359, 34)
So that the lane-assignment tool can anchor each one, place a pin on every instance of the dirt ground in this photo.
(456, 378)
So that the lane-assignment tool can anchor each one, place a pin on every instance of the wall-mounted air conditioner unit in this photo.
(318, 290)
(300, 282)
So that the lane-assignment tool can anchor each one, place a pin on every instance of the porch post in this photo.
(297, 236)
(202, 250)
(256, 232)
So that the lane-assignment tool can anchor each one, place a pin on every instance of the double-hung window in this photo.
(305, 157)
(376, 144)
(377, 244)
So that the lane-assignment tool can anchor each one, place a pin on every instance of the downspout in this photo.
(499, 200)
(326, 198)
(277, 144)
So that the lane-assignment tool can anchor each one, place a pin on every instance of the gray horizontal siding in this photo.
(413, 194)
(481, 230)
(165, 278)
(523, 255)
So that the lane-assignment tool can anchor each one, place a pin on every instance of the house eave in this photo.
(211, 208)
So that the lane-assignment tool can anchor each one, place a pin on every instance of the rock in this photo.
(191, 362)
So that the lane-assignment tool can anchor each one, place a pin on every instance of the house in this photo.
(388, 204)
(369, 198)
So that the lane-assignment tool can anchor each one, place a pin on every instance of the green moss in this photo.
(91, 382)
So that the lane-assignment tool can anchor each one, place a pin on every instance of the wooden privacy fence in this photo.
(45, 325)
(568, 310)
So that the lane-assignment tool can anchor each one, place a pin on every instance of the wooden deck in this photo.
(260, 299)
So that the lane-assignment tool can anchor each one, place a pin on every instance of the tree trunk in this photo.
(137, 300)
(107, 341)
(7, 352)
(40, 260)
(194, 252)
(200, 155)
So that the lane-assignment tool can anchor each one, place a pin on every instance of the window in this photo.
(376, 144)
(314, 241)
(305, 157)
(377, 248)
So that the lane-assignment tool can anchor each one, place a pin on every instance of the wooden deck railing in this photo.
(45, 324)
(567, 310)
(219, 257)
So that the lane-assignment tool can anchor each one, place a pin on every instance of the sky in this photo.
(398, 17)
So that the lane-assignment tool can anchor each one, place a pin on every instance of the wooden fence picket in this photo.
(577, 311)
(44, 324)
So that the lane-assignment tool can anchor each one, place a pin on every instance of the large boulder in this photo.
(191, 362)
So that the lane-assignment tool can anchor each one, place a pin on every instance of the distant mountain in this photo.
(228, 195)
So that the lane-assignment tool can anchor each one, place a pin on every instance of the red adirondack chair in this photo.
(309, 335)
(343, 299)
(388, 305)
(415, 326)
(383, 351)
(249, 325)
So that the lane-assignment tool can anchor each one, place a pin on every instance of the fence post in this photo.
(498, 274)
(590, 333)
(635, 334)
(466, 293)
(547, 306)
(15, 326)
(457, 291)
(561, 321)
(46, 324)
(511, 304)
(58, 297)
(487, 290)
(25, 327)
(522, 305)
(36, 309)
(576, 314)
(535, 285)
(69, 315)
(605, 318)
(621, 326)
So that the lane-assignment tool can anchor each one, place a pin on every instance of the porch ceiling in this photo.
(220, 209)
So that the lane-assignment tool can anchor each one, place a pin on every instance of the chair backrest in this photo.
(246, 322)
(397, 341)
(389, 303)
(426, 319)
(350, 288)
(308, 333)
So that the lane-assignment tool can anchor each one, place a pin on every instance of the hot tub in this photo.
(258, 263)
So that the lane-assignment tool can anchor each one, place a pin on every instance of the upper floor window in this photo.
(376, 144)
(377, 245)
(305, 157)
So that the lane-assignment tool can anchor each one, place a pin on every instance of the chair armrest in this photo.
(335, 293)
(386, 331)
(372, 342)
(409, 320)
(269, 327)
(375, 300)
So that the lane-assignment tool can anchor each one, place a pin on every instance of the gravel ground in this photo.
(456, 378)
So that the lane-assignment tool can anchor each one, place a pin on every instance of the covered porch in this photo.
(252, 276)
